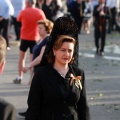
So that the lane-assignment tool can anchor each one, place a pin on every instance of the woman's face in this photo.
(42, 30)
(102, 1)
(64, 55)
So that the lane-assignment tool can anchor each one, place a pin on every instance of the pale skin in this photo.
(63, 56)
(35, 61)
(2, 64)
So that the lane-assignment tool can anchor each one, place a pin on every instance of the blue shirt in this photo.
(6, 9)
(18, 5)
(37, 49)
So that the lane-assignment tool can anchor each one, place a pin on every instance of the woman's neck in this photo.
(60, 67)
(44, 36)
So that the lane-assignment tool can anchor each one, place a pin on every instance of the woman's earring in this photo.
(54, 54)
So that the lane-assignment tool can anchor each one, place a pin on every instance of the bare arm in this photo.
(36, 61)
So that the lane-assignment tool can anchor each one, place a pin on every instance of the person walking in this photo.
(87, 16)
(45, 28)
(29, 33)
(100, 14)
(111, 4)
(77, 12)
(58, 89)
(18, 5)
(6, 10)
(7, 110)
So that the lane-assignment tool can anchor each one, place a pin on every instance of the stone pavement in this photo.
(102, 77)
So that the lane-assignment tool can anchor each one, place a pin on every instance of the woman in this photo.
(45, 28)
(58, 89)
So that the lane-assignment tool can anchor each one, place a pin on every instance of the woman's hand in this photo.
(25, 69)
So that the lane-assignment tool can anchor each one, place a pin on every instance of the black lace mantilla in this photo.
(64, 26)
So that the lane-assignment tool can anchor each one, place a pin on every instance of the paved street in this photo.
(102, 77)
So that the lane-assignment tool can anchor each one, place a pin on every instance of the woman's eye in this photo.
(70, 51)
(62, 50)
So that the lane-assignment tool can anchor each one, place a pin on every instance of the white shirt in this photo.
(6, 9)
(18, 5)
(94, 3)
(111, 3)
(59, 3)
(118, 4)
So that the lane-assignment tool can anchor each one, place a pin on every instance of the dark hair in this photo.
(47, 24)
(57, 45)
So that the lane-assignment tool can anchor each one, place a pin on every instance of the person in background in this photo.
(45, 28)
(18, 5)
(77, 12)
(87, 16)
(7, 110)
(6, 10)
(118, 15)
(52, 8)
(39, 3)
(29, 34)
(58, 89)
(94, 3)
(100, 14)
(112, 26)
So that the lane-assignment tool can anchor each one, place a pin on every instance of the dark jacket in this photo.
(47, 100)
(76, 7)
(100, 20)
(7, 111)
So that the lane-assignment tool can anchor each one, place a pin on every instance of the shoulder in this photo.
(77, 70)
(96, 6)
(23, 11)
(5, 105)
(43, 69)
(46, 40)
(38, 10)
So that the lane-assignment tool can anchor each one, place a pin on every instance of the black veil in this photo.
(62, 26)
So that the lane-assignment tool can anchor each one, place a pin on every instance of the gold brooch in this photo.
(77, 81)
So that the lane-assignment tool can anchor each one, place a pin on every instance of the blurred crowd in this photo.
(80, 10)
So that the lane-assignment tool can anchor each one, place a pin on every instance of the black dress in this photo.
(50, 10)
(52, 98)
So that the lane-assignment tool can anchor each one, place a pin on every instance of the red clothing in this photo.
(29, 18)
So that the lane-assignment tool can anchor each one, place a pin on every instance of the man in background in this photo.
(29, 34)
(100, 14)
